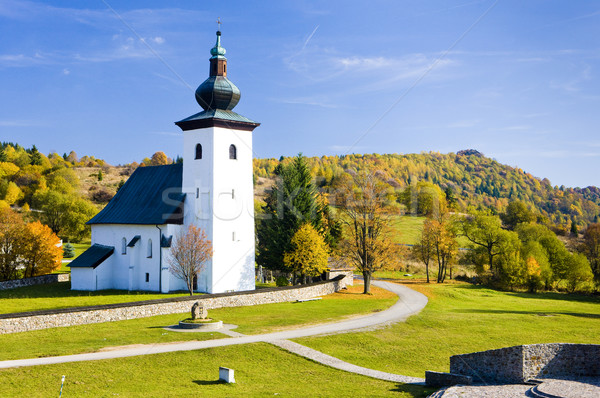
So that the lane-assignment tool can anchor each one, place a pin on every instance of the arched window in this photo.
(123, 246)
(198, 151)
(232, 152)
(149, 255)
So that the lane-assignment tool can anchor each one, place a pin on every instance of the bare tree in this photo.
(189, 254)
(367, 244)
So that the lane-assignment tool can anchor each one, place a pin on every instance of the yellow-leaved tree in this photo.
(41, 253)
(309, 253)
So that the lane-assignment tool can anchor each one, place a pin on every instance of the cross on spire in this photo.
(219, 24)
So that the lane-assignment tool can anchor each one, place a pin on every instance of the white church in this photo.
(212, 189)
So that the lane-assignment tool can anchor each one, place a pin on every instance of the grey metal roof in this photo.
(218, 114)
(152, 195)
(219, 118)
(92, 257)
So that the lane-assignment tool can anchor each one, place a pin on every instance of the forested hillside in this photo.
(467, 178)
(81, 186)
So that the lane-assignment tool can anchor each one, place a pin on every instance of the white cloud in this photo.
(66, 72)
(158, 40)
(20, 123)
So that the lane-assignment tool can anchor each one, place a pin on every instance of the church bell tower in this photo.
(217, 179)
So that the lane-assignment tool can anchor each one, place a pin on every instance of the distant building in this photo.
(212, 189)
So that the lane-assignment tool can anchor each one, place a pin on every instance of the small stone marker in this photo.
(198, 311)
(226, 375)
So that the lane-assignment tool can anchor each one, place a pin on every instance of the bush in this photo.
(68, 250)
(282, 281)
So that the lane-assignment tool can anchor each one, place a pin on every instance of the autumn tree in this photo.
(309, 253)
(486, 236)
(424, 249)
(444, 244)
(158, 159)
(367, 242)
(515, 214)
(11, 232)
(579, 272)
(40, 252)
(189, 253)
(591, 248)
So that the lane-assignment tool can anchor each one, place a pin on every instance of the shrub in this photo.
(68, 250)
(282, 281)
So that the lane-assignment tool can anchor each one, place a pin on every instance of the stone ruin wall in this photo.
(521, 363)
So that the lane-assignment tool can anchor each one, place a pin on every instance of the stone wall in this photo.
(345, 272)
(36, 280)
(521, 363)
(22, 322)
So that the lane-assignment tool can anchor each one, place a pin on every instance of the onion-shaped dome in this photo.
(218, 92)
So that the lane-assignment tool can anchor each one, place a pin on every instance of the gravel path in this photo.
(325, 359)
(410, 303)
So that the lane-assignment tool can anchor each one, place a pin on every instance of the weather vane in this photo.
(219, 24)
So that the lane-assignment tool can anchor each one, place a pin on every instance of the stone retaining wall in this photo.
(36, 280)
(22, 322)
(521, 363)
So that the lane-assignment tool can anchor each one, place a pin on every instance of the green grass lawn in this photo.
(462, 318)
(273, 317)
(260, 370)
(255, 319)
(93, 337)
(60, 295)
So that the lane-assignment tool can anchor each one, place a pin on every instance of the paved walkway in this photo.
(410, 303)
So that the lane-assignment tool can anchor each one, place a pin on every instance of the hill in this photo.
(467, 177)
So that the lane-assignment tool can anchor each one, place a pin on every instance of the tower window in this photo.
(197, 193)
(149, 255)
(147, 277)
(198, 151)
(123, 246)
(232, 152)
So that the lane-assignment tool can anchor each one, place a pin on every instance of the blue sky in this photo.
(518, 81)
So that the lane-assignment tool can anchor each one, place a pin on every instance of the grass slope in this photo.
(260, 370)
(256, 319)
(462, 318)
(60, 295)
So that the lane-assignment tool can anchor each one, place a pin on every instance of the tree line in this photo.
(300, 226)
(467, 178)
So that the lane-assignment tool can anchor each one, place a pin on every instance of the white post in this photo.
(226, 375)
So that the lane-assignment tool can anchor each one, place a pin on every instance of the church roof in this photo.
(92, 257)
(151, 196)
(217, 118)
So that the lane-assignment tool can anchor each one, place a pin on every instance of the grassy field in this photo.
(462, 318)
(459, 318)
(60, 295)
(407, 230)
(260, 370)
(251, 320)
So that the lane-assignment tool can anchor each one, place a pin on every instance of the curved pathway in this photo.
(410, 303)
